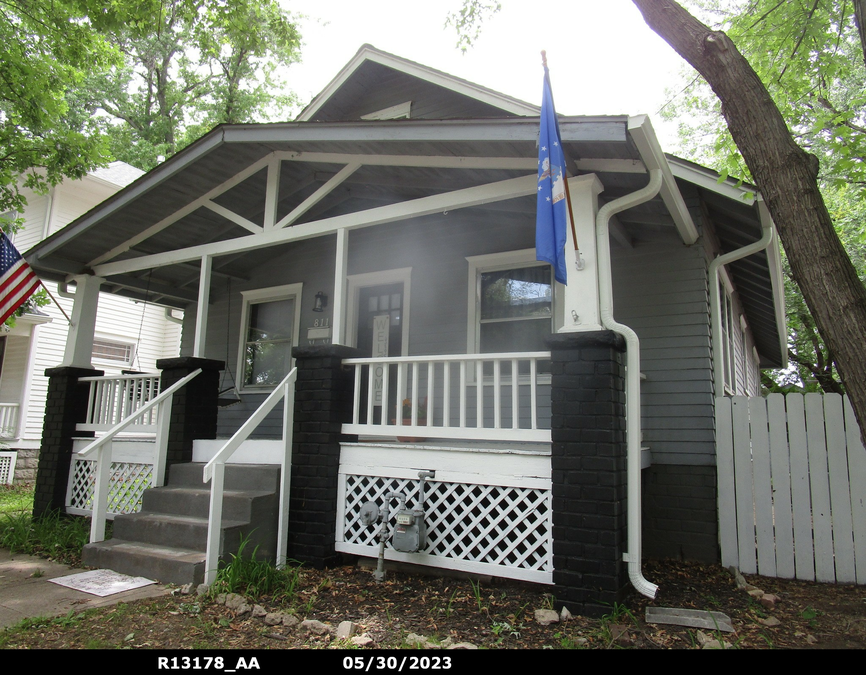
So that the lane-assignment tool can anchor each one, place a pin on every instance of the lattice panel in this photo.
(127, 483)
(499, 525)
(7, 468)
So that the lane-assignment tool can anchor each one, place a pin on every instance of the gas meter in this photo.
(410, 533)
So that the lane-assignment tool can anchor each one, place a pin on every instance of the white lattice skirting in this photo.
(127, 484)
(488, 523)
(7, 467)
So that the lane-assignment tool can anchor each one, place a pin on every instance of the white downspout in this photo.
(632, 381)
(715, 296)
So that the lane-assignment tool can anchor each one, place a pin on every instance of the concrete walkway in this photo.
(25, 591)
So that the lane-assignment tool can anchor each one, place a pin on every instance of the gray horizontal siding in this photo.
(660, 290)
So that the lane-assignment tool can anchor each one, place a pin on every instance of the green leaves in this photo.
(205, 62)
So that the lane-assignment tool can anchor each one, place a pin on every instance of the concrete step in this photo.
(167, 539)
(191, 501)
(265, 477)
(174, 531)
(164, 564)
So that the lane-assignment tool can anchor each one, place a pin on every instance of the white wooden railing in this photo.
(8, 420)
(157, 408)
(498, 397)
(113, 399)
(215, 470)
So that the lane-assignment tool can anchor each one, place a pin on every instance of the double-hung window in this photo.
(270, 328)
(511, 303)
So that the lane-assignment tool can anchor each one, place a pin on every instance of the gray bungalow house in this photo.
(364, 310)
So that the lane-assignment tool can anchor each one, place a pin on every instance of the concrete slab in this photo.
(25, 591)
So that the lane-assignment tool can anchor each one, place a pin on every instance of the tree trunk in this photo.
(787, 178)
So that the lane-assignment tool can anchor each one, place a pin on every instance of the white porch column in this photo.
(338, 331)
(79, 341)
(202, 306)
(580, 295)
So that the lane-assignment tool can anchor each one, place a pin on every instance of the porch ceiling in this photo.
(104, 233)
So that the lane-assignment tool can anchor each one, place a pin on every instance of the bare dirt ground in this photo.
(497, 614)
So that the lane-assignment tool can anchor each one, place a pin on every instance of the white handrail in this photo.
(120, 426)
(214, 471)
(103, 459)
(438, 358)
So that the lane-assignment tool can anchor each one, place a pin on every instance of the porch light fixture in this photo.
(321, 302)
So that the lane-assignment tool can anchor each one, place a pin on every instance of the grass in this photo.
(53, 536)
(256, 578)
(15, 499)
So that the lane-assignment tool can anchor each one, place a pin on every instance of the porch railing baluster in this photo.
(434, 394)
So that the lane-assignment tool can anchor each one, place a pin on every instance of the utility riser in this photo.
(167, 539)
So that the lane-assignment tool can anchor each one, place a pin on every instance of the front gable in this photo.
(375, 82)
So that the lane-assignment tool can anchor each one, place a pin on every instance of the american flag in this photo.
(17, 280)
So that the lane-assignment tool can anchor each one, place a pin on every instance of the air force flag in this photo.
(550, 219)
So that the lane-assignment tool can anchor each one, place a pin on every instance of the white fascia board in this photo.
(419, 161)
(650, 151)
(774, 262)
(483, 194)
(150, 180)
(514, 129)
(708, 180)
(368, 53)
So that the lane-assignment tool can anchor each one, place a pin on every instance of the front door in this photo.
(380, 334)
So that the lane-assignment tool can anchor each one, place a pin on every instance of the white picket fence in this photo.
(792, 487)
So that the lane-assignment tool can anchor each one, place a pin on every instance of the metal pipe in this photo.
(715, 295)
(632, 384)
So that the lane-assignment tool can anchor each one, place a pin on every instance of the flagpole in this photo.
(62, 311)
(567, 191)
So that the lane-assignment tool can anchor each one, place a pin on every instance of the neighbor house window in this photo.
(727, 307)
(270, 329)
(511, 303)
(116, 352)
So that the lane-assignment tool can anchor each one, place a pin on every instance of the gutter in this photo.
(632, 382)
(644, 137)
(715, 296)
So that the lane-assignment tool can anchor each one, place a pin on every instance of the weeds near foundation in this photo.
(476, 593)
(619, 617)
(53, 536)
(256, 578)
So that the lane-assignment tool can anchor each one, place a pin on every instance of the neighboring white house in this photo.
(130, 335)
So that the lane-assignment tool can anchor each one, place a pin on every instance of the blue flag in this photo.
(550, 219)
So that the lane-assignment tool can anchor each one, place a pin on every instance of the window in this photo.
(269, 330)
(116, 352)
(727, 311)
(511, 303)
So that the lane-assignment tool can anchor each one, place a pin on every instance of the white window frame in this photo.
(261, 295)
(131, 345)
(727, 326)
(494, 262)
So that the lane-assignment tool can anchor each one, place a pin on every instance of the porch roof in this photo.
(217, 189)
(229, 151)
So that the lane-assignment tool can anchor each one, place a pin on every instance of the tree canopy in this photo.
(45, 49)
(84, 82)
(809, 56)
(203, 63)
